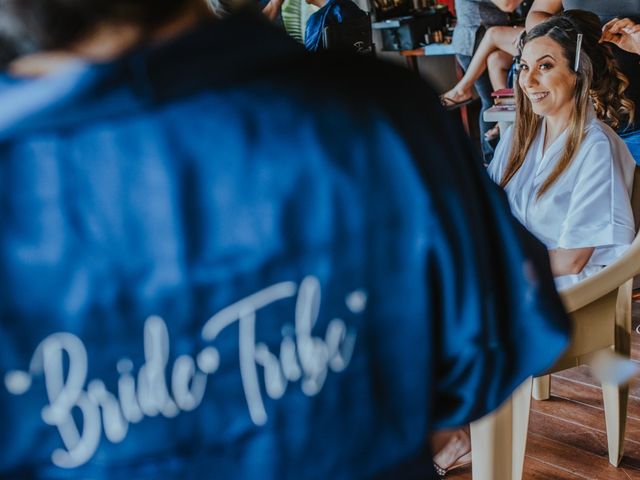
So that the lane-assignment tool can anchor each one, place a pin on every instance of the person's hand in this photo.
(624, 33)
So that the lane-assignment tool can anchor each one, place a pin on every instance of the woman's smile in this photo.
(536, 97)
(546, 78)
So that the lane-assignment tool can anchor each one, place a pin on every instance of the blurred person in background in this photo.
(495, 56)
(331, 12)
(474, 17)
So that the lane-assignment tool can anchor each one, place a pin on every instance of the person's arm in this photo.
(598, 216)
(507, 5)
(272, 9)
(541, 10)
(624, 33)
(569, 261)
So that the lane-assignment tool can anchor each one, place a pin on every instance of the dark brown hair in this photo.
(51, 24)
(608, 84)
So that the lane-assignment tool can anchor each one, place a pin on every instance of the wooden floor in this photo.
(567, 438)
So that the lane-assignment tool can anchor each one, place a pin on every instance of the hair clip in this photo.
(578, 48)
(521, 38)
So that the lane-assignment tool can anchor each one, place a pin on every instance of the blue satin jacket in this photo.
(222, 258)
(333, 12)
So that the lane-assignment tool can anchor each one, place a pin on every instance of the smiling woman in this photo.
(567, 174)
(549, 89)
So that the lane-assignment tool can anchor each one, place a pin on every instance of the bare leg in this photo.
(498, 65)
(496, 38)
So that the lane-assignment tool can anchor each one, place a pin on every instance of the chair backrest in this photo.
(352, 35)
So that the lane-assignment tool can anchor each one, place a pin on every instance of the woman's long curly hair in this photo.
(608, 84)
(599, 82)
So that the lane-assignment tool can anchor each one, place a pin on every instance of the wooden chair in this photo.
(600, 310)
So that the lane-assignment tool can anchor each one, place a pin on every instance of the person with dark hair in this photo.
(495, 56)
(219, 258)
(474, 17)
(331, 12)
(567, 174)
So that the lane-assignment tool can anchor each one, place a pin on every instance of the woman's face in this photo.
(546, 78)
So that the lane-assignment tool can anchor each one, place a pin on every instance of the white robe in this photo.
(590, 203)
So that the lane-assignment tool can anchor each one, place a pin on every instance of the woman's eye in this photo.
(522, 67)
(545, 66)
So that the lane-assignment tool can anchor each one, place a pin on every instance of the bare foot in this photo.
(456, 97)
(492, 133)
(455, 450)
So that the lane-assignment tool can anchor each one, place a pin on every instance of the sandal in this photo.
(456, 453)
(450, 104)
(459, 463)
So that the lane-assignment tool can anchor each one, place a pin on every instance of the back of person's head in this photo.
(54, 24)
(599, 83)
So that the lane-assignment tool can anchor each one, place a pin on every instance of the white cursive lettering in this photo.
(62, 360)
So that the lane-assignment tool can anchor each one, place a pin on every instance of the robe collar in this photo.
(546, 161)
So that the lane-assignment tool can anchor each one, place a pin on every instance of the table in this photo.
(504, 118)
(434, 49)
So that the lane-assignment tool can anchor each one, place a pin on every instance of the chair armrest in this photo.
(603, 282)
